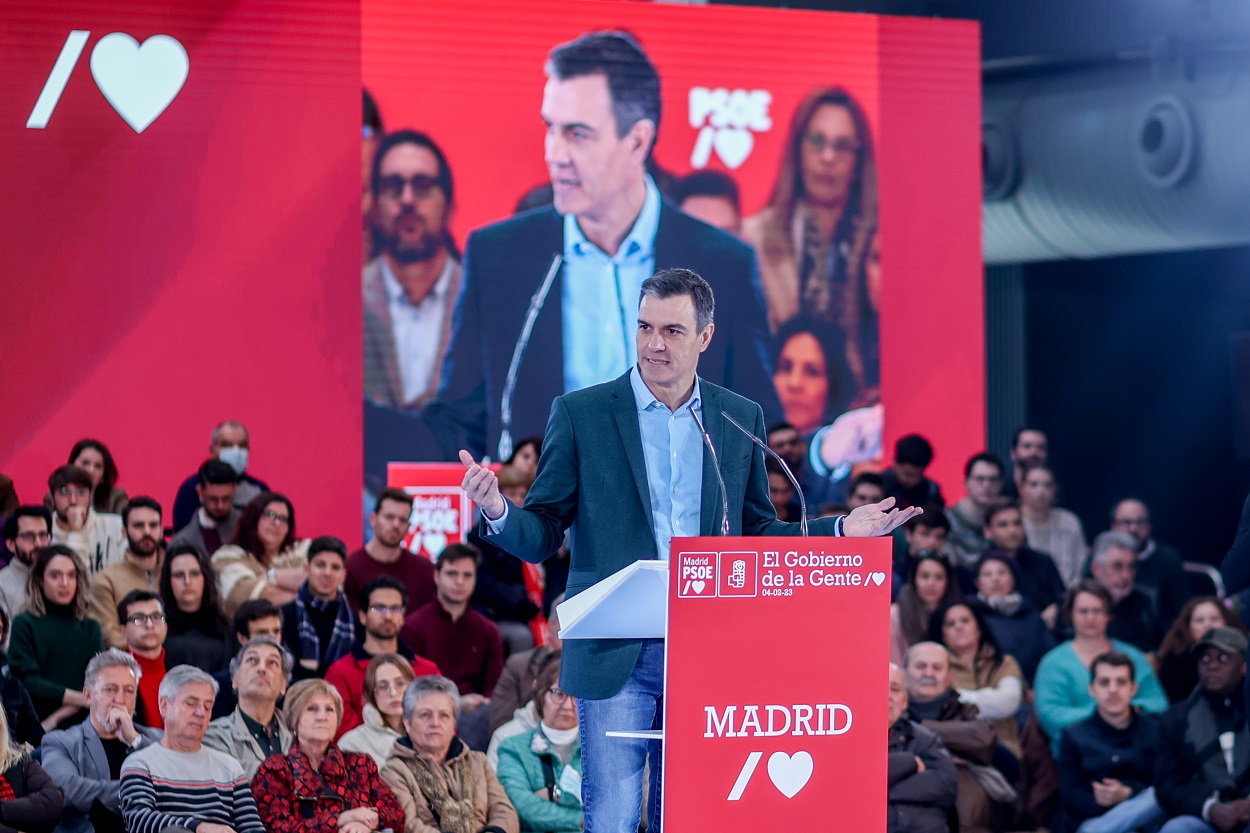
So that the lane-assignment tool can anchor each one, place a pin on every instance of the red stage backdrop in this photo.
(180, 244)
(470, 75)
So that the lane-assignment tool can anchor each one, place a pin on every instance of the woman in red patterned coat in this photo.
(316, 787)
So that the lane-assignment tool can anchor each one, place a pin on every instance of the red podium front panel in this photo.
(776, 684)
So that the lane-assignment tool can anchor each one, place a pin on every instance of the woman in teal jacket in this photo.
(541, 770)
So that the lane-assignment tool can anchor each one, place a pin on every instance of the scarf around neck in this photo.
(341, 638)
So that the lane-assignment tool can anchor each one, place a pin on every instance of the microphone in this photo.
(794, 481)
(720, 481)
(518, 352)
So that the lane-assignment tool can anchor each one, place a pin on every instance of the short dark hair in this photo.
(1093, 588)
(408, 136)
(327, 543)
(983, 457)
(709, 183)
(251, 611)
(68, 476)
(671, 283)
(141, 502)
(1015, 438)
(914, 450)
(380, 583)
(999, 508)
(779, 426)
(933, 516)
(1115, 659)
(216, 472)
(392, 493)
(632, 79)
(872, 478)
(28, 510)
(371, 116)
(135, 597)
(458, 552)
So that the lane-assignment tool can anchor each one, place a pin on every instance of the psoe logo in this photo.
(138, 80)
(727, 121)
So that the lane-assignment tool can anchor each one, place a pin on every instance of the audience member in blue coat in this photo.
(1017, 626)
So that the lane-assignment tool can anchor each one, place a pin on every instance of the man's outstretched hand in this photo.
(482, 487)
(867, 520)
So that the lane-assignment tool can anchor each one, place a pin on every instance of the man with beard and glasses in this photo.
(26, 531)
(409, 289)
(139, 569)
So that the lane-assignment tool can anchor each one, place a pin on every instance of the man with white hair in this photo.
(922, 776)
(179, 782)
(86, 760)
(1134, 613)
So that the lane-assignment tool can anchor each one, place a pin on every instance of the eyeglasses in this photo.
(819, 143)
(146, 619)
(387, 687)
(73, 491)
(1214, 657)
(382, 610)
(1131, 521)
(557, 695)
(33, 536)
(275, 517)
(393, 185)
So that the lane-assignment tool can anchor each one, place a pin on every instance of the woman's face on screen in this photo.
(802, 381)
(829, 151)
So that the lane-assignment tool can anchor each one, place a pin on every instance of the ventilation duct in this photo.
(1112, 162)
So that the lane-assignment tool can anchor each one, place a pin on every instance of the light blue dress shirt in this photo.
(672, 446)
(599, 298)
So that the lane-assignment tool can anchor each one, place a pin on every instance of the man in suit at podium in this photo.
(626, 466)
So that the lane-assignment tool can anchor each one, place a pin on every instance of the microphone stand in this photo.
(518, 352)
(785, 467)
(720, 481)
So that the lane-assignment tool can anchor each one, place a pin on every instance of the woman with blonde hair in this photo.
(316, 786)
(29, 800)
(386, 679)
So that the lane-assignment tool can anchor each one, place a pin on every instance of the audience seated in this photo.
(508, 591)
(198, 632)
(781, 493)
(231, 444)
(19, 709)
(54, 639)
(786, 440)
(263, 559)
(258, 617)
(515, 689)
(382, 718)
(382, 603)
(1178, 667)
(541, 769)
(1050, 529)
(866, 487)
(905, 480)
(929, 585)
(463, 643)
(1039, 581)
(180, 783)
(9, 500)
(1029, 448)
(1106, 761)
(922, 777)
(97, 537)
(26, 531)
(318, 627)
(255, 730)
(1018, 627)
(385, 555)
(143, 627)
(440, 782)
(1133, 616)
(29, 799)
(315, 786)
(1202, 769)
(93, 457)
(86, 760)
(1061, 688)
(924, 533)
(935, 704)
(983, 482)
(1158, 564)
(214, 521)
(981, 673)
(139, 569)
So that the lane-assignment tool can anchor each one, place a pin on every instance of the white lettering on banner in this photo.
(794, 559)
(796, 720)
(725, 120)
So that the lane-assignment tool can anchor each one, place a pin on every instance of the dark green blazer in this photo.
(592, 480)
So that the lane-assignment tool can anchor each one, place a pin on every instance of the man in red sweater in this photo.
(382, 602)
(142, 619)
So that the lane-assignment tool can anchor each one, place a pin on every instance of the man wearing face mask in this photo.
(231, 444)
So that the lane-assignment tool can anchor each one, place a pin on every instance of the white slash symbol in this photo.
(57, 79)
(748, 769)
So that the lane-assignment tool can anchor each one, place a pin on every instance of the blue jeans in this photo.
(1187, 824)
(1141, 812)
(612, 768)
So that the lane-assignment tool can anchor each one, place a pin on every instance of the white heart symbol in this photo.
(698, 586)
(733, 145)
(790, 774)
(139, 81)
(877, 578)
(434, 542)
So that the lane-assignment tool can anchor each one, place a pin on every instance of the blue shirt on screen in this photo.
(599, 297)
